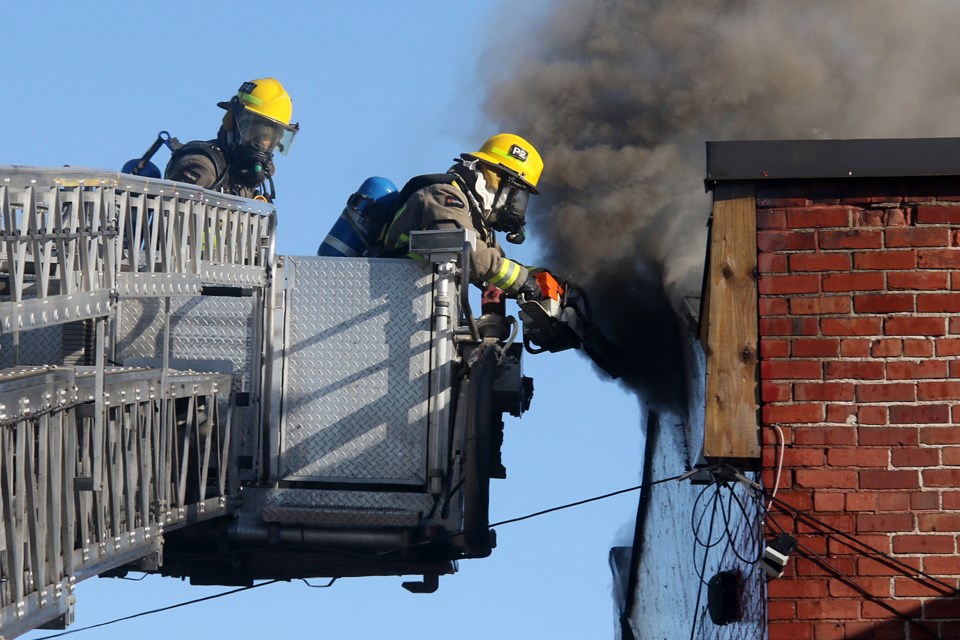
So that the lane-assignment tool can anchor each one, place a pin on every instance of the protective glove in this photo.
(530, 290)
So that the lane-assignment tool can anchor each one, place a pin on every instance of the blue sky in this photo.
(379, 88)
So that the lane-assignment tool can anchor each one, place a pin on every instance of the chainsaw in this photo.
(562, 320)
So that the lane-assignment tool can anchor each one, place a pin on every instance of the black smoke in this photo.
(621, 95)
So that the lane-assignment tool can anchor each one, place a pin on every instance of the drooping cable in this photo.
(185, 603)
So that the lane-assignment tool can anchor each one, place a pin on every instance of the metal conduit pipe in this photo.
(247, 533)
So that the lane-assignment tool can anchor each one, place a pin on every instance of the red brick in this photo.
(908, 587)
(943, 566)
(804, 588)
(802, 457)
(879, 567)
(875, 610)
(886, 392)
(887, 436)
(940, 435)
(862, 501)
(857, 457)
(941, 477)
(771, 263)
(855, 348)
(797, 499)
(939, 390)
(951, 500)
(886, 348)
(884, 260)
(877, 586)
(872, 415)
(815, 347)
(822, 305)
(781, 610)
(946, 608)
(828, 501)
(948, 346)
(834, 391)
(884, 522)
(829, 631)
(780, 285)
(792, 630)
(793, 413)
(868, 281)
(829, 608)
(841, 546)
(917, 348)
(920, 414)
(850, 326)
(907, 326)
(926, 369)
(937, 214)
(947, 522)
(924, 500)
(938, 259)
(954, 325)
(893, 501)
(915, 457)
(772, 306)
(786, 240)
(819, 262)
(850, 239)
(883, 303)
(918, 280)
(788, 326)
(834, 216)
(922, 544)
(774, 348)
(951, 456)
(918, 237)
(771, 219)
(826, 479)
(853, 369)
(889, 480)
(790, 370)
(841, 413)
(938, 302)
(833, 436)
(775, 391)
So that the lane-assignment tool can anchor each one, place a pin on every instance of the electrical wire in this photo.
(815, 558)
(891, 561)
(703, 567)
(542, 512)
(781, 442)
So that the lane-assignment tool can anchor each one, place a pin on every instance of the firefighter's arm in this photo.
(192, 168)
(445, 207)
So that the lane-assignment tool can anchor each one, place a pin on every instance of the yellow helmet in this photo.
(266, 97)
(261, 100)
(511, 153)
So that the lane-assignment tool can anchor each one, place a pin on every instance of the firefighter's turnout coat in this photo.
(449, 203)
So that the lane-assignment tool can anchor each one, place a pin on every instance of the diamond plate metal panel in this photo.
(38, 346)
(275, 502)
(217, 330)
(356, 379)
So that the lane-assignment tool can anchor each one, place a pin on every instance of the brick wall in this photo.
(859, 307)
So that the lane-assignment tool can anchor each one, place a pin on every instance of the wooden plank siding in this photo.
(730, 327)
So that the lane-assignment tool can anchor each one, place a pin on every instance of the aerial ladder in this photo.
(176, 398)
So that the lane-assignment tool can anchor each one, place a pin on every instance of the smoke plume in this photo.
(620, 96)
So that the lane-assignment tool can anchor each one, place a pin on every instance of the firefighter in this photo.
(485, 191)
(240, 160)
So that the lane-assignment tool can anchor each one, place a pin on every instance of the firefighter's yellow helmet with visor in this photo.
(514, 156)
(262, 110)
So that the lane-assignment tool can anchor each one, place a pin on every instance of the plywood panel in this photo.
(731, 419)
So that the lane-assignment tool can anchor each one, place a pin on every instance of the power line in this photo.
(536, 514)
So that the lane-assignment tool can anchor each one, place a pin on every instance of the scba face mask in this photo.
(509, 210)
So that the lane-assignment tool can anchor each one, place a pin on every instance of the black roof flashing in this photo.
(759, 160)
